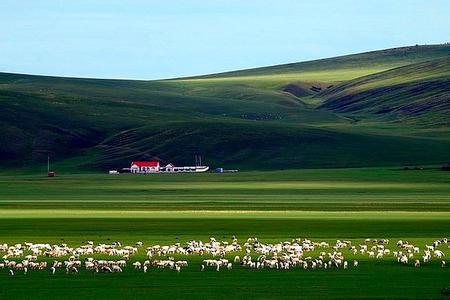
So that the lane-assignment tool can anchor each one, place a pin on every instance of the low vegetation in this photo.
(349, 205)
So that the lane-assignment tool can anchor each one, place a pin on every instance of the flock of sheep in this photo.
(297, 253)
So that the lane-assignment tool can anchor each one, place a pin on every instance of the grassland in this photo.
(319, 204)
(415, 91)
(323, 113)
(369, 110)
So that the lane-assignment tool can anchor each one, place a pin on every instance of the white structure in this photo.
(190, 169)
(143, 167)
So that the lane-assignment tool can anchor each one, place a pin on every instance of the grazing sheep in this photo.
(117, 269)
(403, 259)
(137, 265)
(438, 253)
(283, 255)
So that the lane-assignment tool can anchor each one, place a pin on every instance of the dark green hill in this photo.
(255, 119)
(262, 145)
(416, 91)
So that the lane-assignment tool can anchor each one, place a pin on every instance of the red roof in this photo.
(153, 163)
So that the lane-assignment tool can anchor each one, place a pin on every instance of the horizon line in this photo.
(193, 76)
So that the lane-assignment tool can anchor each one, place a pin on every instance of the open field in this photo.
(323, 205)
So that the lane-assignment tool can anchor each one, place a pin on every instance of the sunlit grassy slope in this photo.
(262, 118)
(416, 90)
(332, 70)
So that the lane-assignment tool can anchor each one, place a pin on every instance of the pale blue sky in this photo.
(170, 38)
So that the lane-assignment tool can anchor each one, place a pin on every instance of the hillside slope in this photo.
(264, 145)
(420, 90)
(325, 72)
(255, 119)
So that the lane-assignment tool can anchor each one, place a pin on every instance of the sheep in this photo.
(438, 253)
(116, 268)
(284, 255)
(403, 259)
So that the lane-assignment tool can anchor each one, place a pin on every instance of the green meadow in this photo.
(319, 204)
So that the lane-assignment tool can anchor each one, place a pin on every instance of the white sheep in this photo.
(438, 253)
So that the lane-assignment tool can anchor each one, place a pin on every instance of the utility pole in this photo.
(48, 163)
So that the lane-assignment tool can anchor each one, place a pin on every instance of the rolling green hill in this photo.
(357, 110)
(335, 69)
(420, 90)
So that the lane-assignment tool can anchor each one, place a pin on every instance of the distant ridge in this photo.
(393, 56)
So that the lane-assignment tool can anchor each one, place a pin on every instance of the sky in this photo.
(174, 38)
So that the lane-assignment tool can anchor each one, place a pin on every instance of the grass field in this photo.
(323, 205)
